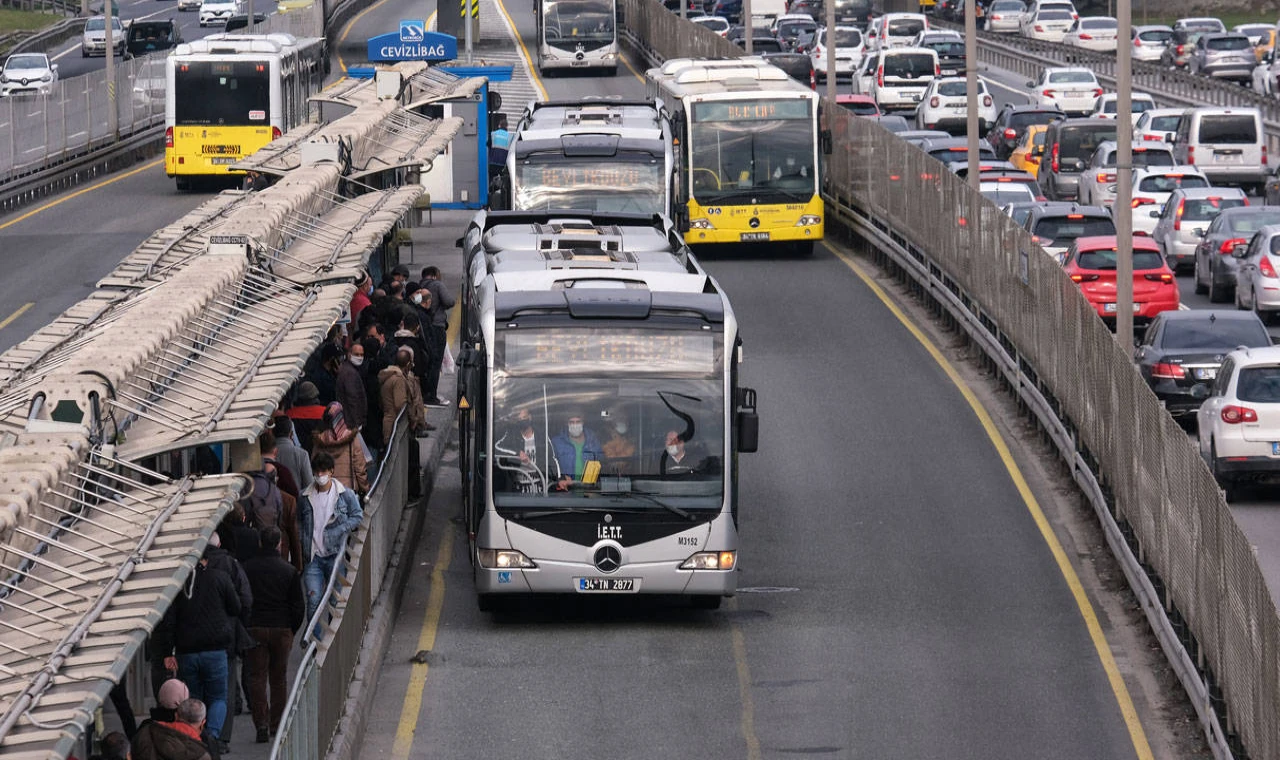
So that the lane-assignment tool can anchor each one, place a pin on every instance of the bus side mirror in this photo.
(825, 138)
(748, 422)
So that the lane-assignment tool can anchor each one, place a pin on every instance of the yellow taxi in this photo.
(1264, 47)
(1030, 149)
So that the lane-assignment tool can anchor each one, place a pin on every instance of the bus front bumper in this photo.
(578, 578)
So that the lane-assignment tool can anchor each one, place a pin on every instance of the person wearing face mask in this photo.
(521, 441)
(350, 388)
(328, 511)
(574, 447)
(681, 457)
(620, 448)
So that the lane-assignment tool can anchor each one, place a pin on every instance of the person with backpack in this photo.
(268, 506)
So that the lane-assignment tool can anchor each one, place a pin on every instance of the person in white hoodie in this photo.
(328, 512)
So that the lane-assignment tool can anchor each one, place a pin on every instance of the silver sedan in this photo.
(1258, 274)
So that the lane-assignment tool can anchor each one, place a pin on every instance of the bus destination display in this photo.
(603, 175)
(751, 110)
(575, 350)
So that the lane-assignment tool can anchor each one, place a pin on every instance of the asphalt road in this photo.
(899, 600)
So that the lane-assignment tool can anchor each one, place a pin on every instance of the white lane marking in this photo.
(71, 49)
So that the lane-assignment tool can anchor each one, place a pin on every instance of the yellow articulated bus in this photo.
(228, 95)
(748, 142)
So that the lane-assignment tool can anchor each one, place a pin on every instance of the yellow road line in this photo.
(744, 687)
(533, 70)
(1136, 733)
(21, 310)
(81, 192)
(412, 707)
(627, 61)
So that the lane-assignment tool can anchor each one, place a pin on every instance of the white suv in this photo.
(902, 76)
(1074, 90)
(1239, 421)
(217, 11)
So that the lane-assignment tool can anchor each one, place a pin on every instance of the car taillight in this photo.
(1168, 371)
(1097, 92)
(1106, 177)
(1083, 277)
(1137, 42)
(880, 76)
(1191, 155)
(996, 17)
(1039, 28)
(1234, 415)
(1164, 277)
(1178, 50)
(168, 137)
(1084, 36)
(1152, 138)
(1177, 217)
(1048, 93)
(937, 69)
(1142, 202)
(1265, 269)
(933, 102)
(1054, 163)
(1264, 155)
(275, 133)
(986, 103)
(1011, 134)
(1226, 247)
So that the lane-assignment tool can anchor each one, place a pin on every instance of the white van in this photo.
(1227, 144)
(896, 30)
(902, 76)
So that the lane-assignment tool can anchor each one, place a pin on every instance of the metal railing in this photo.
(71, 122)
(1186, 558)
(319, 694)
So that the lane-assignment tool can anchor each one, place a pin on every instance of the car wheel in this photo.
(1226, 481)
(1200, 287)
(1217, 293)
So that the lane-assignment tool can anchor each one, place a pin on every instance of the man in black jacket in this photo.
(197, 630)
(221, 559)
(278, 611)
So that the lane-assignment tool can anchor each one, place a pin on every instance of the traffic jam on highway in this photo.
(1202, 184)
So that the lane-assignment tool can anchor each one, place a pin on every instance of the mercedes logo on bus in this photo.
(608, 558)
(753, 222)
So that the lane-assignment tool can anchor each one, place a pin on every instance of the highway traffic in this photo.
(914, 582)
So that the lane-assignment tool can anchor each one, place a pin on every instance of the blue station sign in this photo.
(413, 43)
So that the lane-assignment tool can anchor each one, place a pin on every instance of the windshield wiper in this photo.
(551, 513)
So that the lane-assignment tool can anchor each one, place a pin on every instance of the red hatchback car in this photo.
(1091, 263)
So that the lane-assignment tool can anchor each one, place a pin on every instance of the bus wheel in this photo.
(487, 602)
(706, 602)
(613, 71)
(804, 248)
(183, 183)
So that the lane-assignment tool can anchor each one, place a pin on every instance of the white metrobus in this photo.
(577, 35)
(600, 411)
(227, 95)
(594, 155)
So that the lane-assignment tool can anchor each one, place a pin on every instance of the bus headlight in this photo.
(610, 56)
(502, 559)
(808, 220)
(711, 561)
(701, 224)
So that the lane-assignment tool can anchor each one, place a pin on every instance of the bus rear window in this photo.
(221, 93)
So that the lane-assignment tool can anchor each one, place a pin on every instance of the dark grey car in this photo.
(1068, 144)
(1216, 268)
(1224, 56)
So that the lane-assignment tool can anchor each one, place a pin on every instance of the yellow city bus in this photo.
(228, 95)
(748, 143)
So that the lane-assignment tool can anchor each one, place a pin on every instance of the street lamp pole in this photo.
(971, 91)
(113, 118)
(1123, 212)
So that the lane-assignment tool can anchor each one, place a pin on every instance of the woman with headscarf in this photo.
(343, 444)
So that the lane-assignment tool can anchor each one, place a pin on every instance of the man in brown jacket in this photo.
(399, 389)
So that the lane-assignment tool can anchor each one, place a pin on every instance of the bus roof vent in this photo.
(606, 116)
(589, 145)
(607, 303)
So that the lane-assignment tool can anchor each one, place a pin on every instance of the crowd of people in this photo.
(266, 567)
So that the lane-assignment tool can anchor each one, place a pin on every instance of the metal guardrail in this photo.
(1170, 88)
(1185, 557)
(318, 698)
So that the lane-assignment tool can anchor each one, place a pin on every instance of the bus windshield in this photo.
(648, 405)
(762, 149)
(633, 182)
(222, 93)
(570, 23)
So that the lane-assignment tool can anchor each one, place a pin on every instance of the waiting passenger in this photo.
(344, 445)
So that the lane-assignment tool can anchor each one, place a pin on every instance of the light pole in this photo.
(971, 93)
(113, 118)
(1123, 208)
(829, 44)
(747, 28)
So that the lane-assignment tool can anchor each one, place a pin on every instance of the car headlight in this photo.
(502, 559)
(701, 224)
(47, 78)
(710, 561)
(808, 220)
